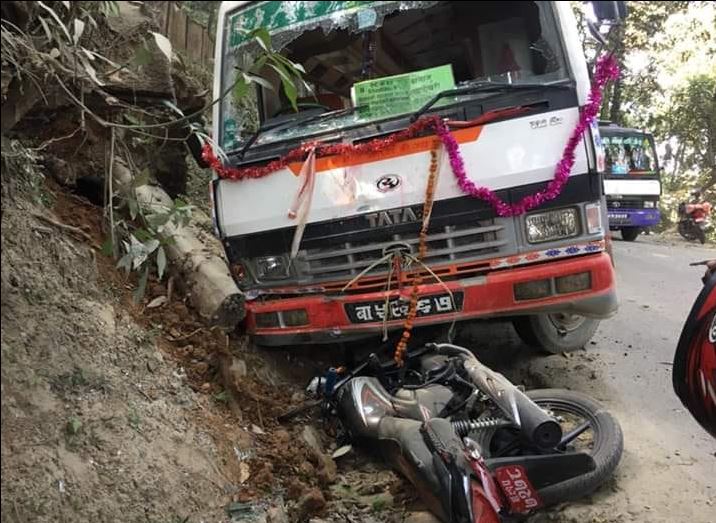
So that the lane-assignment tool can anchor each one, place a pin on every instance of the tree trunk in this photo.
(616, 101)
(209, 285)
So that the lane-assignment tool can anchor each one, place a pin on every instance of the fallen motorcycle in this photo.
(476, 448)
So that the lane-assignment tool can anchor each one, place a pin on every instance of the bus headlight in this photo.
(552, 225)
(594, 218)
(648, 204)
(271, 268)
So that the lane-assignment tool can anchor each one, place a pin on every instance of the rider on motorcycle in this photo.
(694, 217)
(697, 208)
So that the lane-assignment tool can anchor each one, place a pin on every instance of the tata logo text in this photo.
(392, 217)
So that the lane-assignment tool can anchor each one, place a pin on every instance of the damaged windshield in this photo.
(370, 61)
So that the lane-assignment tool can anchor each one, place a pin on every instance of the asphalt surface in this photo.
(668, 469)
(657, 289)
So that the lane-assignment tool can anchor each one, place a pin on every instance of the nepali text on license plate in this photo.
(520, 493)
(365, 312)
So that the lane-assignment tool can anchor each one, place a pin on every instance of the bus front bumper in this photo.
(633, 218)
(581, 285)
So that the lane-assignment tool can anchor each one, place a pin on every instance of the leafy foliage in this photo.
(667, 52)
(147, 234)
(57, 46)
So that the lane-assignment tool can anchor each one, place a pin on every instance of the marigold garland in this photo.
(402, 347)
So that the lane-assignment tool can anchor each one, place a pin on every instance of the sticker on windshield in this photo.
(367, 18)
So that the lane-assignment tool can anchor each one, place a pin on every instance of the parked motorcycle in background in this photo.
(694, 218)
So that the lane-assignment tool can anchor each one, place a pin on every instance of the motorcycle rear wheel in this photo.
(603, 440)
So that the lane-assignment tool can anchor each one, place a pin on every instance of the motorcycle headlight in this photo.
(552, 225)
(271, 267)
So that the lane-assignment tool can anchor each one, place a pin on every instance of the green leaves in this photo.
(57, 20)
(241, 88)
(261, 35)
(289, 88)
(248, 78)
(137, 252)
(144, 248)
(290, 73)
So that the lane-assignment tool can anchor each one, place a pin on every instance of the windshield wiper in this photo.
(484, 87)
(291, 123)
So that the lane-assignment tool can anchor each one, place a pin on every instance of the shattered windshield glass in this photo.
(370, 61)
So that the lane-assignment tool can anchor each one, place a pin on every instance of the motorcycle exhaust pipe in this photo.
(534, 423)
(541, 428)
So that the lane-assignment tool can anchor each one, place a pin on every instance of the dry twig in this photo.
(69, 228)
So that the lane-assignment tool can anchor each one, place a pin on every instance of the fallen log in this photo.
(205, 274)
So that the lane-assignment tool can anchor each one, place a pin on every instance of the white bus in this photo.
(515, 68)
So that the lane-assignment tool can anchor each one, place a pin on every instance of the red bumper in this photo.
(483, 297)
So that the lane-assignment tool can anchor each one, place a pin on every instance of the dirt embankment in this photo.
(113, 411)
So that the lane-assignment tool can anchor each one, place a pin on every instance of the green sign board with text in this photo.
(403, 93)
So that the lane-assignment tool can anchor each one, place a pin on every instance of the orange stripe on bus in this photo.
(412, 146)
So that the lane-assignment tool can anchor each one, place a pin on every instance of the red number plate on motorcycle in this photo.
(520, 493)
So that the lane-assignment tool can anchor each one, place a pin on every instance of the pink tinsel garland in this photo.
(606, 70)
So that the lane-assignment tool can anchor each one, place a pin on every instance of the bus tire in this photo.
(555, 333)
(629, 234)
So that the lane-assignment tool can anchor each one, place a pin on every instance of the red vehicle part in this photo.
(487, 501)
(520, 494)
(694, 370)
(481, 506)
(493, 294)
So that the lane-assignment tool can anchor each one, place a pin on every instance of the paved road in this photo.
(668, 471)
(657, 289)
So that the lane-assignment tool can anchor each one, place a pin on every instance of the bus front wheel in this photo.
(629, 234)
(556, 333)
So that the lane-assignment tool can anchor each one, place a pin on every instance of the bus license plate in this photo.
(375, 311)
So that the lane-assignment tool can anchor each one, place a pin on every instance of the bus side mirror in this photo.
(610, 11)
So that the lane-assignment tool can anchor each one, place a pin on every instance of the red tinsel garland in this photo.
(300, 153)
(606, 69)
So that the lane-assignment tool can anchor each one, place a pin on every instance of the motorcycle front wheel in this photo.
(700, 235)
(686, 231)
(586, 427)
